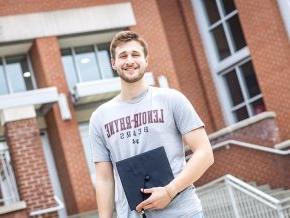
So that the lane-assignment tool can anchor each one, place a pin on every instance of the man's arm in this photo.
(105, 189)
(196, 166)
(199, 162)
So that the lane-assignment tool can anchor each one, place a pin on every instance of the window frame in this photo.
(218, 67)
(7, 81)
(76, 67)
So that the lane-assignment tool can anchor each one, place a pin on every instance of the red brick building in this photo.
(231, 58)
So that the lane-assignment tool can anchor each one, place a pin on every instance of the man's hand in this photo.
(159, 199)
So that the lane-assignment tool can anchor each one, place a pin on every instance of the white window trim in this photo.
(284, 6)
(215, 65)
(66, 22)
(77, 69)
(8, 82)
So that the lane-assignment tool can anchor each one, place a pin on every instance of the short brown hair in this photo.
(126, 36)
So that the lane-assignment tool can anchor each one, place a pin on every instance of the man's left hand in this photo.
(159, 199)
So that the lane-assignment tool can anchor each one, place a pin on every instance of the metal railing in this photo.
(229, 197)
(8, 188)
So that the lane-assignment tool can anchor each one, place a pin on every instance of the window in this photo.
(244, 93)
(8, 188)
(229, 58)
(87, 63)
(224, 27)
(15, 74)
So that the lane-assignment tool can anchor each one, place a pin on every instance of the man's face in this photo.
(130, 62)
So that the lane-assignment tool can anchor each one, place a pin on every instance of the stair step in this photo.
(282, 194)
(252, 183)
(264, 188)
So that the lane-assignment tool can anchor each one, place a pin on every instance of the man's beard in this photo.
(129, 79)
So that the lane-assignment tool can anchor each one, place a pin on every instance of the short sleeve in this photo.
(185, 116)
(99, 151)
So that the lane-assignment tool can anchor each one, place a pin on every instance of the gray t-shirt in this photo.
(158, 117)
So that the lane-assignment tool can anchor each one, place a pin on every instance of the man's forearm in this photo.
(105, 198)
(196, 166)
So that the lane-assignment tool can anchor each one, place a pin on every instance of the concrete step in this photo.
(282, 194)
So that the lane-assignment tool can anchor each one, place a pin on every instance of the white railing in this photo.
(231, 142)
(229, 197)
(8, 189)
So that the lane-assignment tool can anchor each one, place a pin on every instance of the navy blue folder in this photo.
(146, 170)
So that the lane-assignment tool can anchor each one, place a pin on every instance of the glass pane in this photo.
(221, 42)
(258, 106)
(250, 79)
(27, 75)
(104, 61)
(212, 11)
(87, 63)
(228, 6)
(15, 73)
(3, 85)
(69, 68)
(238, 38)
(234, 88)
(241, 114)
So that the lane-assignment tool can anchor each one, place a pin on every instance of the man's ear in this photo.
(147, 58)
(113, 64)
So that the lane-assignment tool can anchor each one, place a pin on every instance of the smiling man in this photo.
(140, 119)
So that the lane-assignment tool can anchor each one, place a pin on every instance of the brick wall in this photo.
(64, 136)
(264, 132)
(202, 67)
(23, 139)
(187, 71)
(149, 25)
(15, 214)
(270, 51)
(249, 165)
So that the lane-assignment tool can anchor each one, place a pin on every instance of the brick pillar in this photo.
(270, 51)
(190, 62)
(23, 139)
(64, 136)
(149, 25)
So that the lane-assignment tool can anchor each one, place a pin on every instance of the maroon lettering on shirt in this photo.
(134, 121)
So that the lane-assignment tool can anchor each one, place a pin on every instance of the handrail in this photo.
(240, 183)
(252, 189)
(247, 189)
(251, 145)
(212, 183)
(245, 145)
(49, 210)
(253, 195)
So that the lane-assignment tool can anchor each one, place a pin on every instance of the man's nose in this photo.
(129, 60)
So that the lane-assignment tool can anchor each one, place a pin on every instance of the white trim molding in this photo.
(284, 6)
(237, 143)
(242, 124)
(59, 206)
(102, 89)
(66, 22)
(13, 207)
(17, 113)
(37, 97)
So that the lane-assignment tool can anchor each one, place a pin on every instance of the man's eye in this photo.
(135, 55)
(123, 56)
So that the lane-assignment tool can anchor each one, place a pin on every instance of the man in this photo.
(140, 119)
